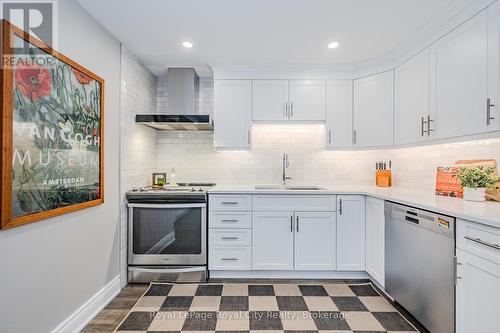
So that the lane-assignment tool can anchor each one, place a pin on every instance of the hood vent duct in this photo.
(183, 110)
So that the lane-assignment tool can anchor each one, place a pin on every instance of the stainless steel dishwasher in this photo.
(420, 264)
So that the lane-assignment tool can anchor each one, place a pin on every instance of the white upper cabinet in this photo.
(459, 76)
(412, 117)
(494, 66)
(270, 100)
(339, 114)
(284, 100)
(232, 113)
(374, 110)
(307, 100)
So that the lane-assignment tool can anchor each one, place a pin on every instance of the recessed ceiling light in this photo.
(187, 44)
(333, 45)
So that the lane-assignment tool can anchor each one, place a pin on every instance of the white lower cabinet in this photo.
(350, 233)
(315, 241)
(478, 294)
(375, 239)
(272, 240)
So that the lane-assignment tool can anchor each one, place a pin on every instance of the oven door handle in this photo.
(138, 205)
(167, 270)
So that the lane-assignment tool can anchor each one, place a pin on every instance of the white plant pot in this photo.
(474, 194)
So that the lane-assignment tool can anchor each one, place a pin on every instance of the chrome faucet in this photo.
(286, 164)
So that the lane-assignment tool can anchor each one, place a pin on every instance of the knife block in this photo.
(383, 178)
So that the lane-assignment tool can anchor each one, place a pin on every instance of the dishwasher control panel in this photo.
(428, 220)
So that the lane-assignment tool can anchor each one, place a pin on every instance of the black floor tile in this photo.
(348, 303)
(329, 321)
(209, 290)
(265, 320)
(137, 321)
(177, 303)
(159, 290)
(313, 290)
(261, 290)
(291, 303)
(200, 321)
(364, 290)
(393, 321)
(233, 303)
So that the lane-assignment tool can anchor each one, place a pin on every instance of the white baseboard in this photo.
(287, 275)
(81, 317)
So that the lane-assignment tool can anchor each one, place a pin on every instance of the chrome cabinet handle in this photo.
(229, 202)
(230, 259)
(429, 121)
(329, 137)
(354, 135)
(482, 242)
(291, 109)
(286, 109)
(291, 223)
(297, 218)
(248, 136)
(489, 118)
(340, 206)
(232, 221)
(422, 122)
(229, 238)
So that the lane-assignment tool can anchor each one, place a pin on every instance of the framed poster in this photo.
(52, 132)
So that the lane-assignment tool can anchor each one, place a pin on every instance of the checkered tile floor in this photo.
(289, 308)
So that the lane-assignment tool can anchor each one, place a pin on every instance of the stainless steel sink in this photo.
(291, 188)
(270, 187)
(304, 188)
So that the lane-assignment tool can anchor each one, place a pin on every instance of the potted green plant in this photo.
(476, 180)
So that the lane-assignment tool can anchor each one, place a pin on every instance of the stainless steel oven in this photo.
(167, 237)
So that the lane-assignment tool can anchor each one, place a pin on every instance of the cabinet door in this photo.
(270, 100)
(412, 103)
(308, 100)
(314, 241)
(494, 65)
(351, 233)
(375, 239)
(478, 294)
(339, 114)
(272, 240)
(459, 79)
(232, 113)
(373, 110)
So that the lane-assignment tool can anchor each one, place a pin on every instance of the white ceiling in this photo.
(243, 32)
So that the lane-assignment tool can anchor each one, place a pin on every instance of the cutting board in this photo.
(493, 195)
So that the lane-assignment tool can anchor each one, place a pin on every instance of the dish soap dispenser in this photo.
(173, 178)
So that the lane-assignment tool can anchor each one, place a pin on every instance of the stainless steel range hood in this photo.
(183, 111)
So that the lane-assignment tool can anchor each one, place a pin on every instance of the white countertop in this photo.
(482, 212)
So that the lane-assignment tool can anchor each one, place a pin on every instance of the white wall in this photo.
(194, 158)
(138, 152)
(49, 269)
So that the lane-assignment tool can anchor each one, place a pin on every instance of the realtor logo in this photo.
(38, 18)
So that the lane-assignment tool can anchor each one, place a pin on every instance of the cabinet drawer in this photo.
(231, 237)
(294, 202)
(230, 220)
(478, 239)
(230, 202)
(230, 258)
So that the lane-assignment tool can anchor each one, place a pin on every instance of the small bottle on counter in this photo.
(172, 178)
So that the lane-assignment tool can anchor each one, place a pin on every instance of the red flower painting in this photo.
(80, 77)
(33, 81)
